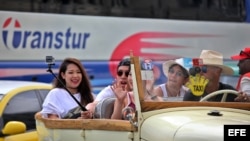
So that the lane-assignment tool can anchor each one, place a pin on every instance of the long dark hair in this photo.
(84, 87)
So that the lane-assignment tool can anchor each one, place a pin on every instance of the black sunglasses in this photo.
(195, 70)
(244, 53)
(120, 73)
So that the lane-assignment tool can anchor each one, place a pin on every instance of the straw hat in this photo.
(213, 58)
(166, 65)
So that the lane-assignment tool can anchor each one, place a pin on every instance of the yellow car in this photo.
(19, 101)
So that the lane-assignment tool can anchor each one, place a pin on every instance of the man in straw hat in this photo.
(211, 69)
(244, 70)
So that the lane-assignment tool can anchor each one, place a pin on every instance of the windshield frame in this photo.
(145, 106)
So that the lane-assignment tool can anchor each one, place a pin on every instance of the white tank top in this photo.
(183, 90)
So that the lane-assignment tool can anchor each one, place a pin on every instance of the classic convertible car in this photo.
(152, 121)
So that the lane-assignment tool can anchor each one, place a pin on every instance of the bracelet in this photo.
(152, 97)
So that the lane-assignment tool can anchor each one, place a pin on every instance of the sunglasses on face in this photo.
(120, 73)
(195, 70)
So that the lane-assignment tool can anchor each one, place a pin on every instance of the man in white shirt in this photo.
(123, 70)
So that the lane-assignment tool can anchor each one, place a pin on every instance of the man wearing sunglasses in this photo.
(122, 72)
(212, 67)
(243, 84)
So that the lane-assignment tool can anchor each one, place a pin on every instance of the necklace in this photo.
(171, 93)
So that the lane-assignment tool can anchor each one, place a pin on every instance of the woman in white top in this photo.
(177, 75)
(59, 102)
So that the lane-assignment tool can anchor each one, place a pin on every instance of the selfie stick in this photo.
(50, 70)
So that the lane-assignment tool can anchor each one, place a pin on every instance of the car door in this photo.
(22, 107)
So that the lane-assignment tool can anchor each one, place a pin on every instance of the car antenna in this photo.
(50, 62)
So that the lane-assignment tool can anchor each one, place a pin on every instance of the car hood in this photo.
(190, 125)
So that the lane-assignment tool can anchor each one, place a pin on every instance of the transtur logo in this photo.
(16, 34)
(17, 38)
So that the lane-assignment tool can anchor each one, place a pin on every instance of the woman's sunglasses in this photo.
(120, 73)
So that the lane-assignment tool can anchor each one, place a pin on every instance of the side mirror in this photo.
(128, 113)
(14, 127)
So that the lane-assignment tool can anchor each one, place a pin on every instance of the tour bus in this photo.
(101, 42)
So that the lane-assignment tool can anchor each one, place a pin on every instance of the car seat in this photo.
(104, 108)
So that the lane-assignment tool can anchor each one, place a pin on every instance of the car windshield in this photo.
(220, 99)
(229, 79)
